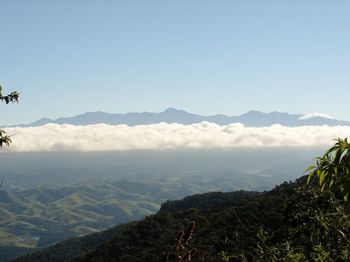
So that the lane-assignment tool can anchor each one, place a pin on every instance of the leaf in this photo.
(309, 168)
(333, 168)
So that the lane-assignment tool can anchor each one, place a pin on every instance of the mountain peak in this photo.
(253, 112)
(172, 110)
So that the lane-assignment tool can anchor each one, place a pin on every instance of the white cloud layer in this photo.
(102, 137)
(313, 115)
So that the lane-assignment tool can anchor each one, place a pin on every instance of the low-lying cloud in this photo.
(102, 137)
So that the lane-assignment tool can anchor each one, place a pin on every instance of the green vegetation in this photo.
(235, 226)
(319, 234)
(292, 222)
(44, 215)
(333, 169)
(12, 97)
(226, 222)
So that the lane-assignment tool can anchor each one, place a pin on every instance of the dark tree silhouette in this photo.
(12, 97)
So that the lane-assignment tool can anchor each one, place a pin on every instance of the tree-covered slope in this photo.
(231, 223)
(225, 222)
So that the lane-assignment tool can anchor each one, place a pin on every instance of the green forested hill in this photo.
(41, 216)
(226, 221)
(233, 224)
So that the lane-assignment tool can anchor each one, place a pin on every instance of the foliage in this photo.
(229, 225)
(225, 257)
(319, 230)
(299, 223)
(183, 251)
(12, 97)
(278, 252)
(333, 169)
(4, 139)
(319, 224)
(66, 250)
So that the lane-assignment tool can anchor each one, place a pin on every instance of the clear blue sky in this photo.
(207, 57)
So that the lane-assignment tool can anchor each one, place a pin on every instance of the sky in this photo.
(206, 57)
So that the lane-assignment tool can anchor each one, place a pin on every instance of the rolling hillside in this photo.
(41, 216)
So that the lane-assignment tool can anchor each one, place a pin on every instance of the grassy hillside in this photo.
(42, 216)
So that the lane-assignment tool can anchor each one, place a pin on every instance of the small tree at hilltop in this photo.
(12, 97)
(333, 169)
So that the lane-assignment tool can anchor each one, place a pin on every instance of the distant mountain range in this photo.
(171, 115)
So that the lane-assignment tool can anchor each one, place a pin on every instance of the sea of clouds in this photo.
(103, 137)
